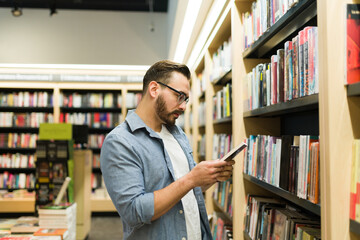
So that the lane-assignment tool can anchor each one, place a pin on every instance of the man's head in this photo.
(167, 83)
(161, 72)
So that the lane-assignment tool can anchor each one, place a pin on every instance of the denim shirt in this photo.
(134, 164)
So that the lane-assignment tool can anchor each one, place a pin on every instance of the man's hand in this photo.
(206, 173)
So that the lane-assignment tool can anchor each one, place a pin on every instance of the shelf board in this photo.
(314, 208)
(96, 170)
(100, 130)
(225, 214)
(246, 236)
(223, 79)
(95, 150)
(13, 189)
(27, 109)
(353, 89)
(102, 205)
(17, 205)
(291, 22)
(15, 150)
(19, 129)
(89, 109)
(223, 120)
(18, 170)
(296, 105)
(354, 227)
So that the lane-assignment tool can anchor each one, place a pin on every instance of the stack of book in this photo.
(58, 217)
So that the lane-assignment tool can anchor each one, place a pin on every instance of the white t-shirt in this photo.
(181, 167)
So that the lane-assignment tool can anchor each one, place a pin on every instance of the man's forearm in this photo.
(166, 198)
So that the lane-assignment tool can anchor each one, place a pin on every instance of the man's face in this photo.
(167, 106)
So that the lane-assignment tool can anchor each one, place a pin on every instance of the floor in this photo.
(105, 228)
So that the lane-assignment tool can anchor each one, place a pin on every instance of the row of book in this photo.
(18, 140)
(94, 120)
(269, 218)
(222, 100)
(201, 146)
(222, 60)
(355, 182)
(99, 100)
(264, 14)
(17, 180)
(292, 73)
(13, 119)
(223, 196)
(200, 81)
(222, 144)
(17, 160)
(96, 140)
(221, 228)
(95, 100)
(96, 160)
(202, 114)
(288, 162)
(26, 99)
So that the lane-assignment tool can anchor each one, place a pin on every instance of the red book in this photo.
(352, 43)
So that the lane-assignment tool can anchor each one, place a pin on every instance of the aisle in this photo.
(106, 228)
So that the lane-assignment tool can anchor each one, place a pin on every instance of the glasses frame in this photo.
(186, 99)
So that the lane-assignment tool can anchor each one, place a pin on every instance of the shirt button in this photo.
(181, 212)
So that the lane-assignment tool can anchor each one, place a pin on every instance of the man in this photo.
(148, 167)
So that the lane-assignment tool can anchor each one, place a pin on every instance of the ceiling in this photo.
(113, 5)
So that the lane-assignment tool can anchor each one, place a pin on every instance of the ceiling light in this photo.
(205, 36)
(16, 11)
(191, 13)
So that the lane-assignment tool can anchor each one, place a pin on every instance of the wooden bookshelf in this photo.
(56, 88)
(102, 205)
(303, 203)
(17, 205)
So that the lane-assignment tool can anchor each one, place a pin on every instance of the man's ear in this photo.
(153, 89)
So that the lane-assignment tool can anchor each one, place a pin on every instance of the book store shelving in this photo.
(96, 117)
(331, 112)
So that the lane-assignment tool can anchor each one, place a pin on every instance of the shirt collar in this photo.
(135, 122)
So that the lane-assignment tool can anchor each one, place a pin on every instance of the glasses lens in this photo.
(181, 98)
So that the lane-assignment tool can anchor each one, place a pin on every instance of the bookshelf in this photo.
(333, 114)
(298, 116)
(98, 204)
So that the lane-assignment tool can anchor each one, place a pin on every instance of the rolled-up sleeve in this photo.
(122, 171)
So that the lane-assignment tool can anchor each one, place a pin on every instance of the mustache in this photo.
(177, 112)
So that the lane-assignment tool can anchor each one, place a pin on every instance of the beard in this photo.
(164, 115)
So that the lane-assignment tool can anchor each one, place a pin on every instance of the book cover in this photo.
(352, 43)
(63, 233)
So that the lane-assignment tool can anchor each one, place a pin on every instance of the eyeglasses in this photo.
(182, 96)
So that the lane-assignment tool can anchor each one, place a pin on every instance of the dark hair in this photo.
(161, 72)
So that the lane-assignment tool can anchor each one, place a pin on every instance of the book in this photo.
(235, 151)
(62, 232)
(7, 223)
(352, 43)
(25, 224)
